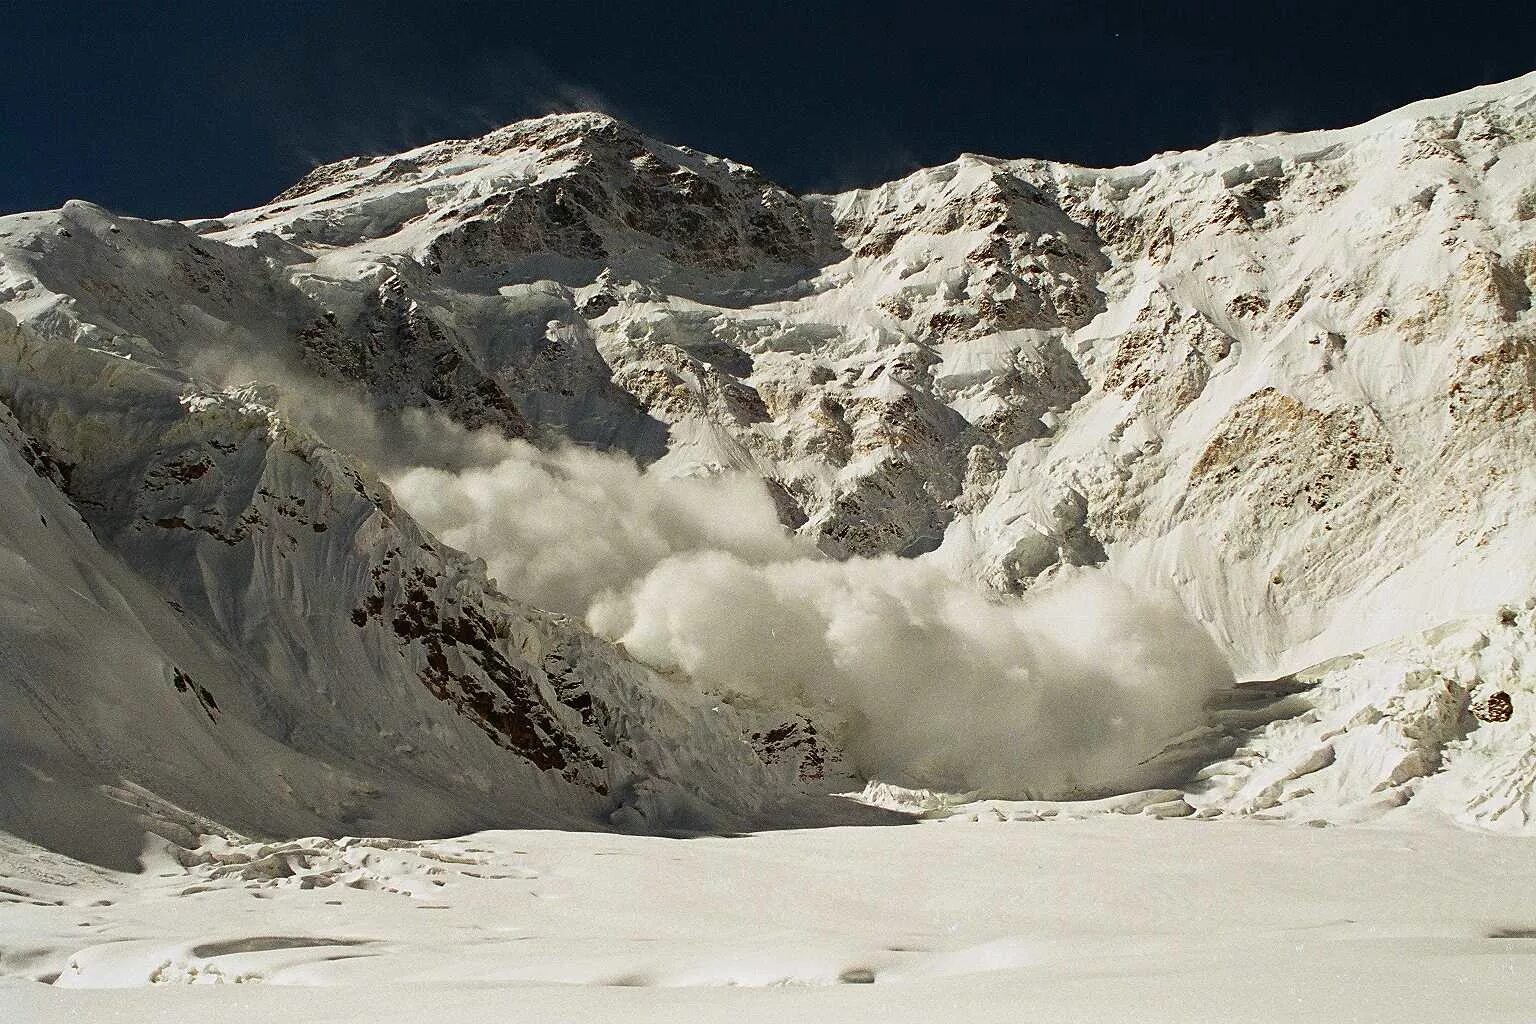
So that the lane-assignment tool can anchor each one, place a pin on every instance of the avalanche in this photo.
(565, 479)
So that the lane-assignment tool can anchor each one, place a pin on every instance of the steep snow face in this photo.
(1292, 379)
(210, 615)
(1312, 390)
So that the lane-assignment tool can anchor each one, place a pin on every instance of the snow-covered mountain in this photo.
(1292, 379)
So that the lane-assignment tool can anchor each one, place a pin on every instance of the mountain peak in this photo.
(530, 147)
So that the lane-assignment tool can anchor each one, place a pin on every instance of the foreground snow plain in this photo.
(1089, 915)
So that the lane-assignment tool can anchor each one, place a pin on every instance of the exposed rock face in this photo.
(1292, 377)
(1494, 707)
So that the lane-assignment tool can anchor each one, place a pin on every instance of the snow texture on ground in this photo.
(1102, 914)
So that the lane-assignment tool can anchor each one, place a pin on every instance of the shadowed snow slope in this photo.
(1288, 381)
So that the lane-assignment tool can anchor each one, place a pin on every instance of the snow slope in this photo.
(224, 624)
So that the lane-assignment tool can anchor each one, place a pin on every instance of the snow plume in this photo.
(391, 441)
(940, 683)
(563, 529)
(943, 686)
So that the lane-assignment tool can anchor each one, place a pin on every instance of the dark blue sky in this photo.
(190, 109)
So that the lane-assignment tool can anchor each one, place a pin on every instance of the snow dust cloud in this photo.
(1070, 690)
(390, 441)
(941, 684)
(561, 529)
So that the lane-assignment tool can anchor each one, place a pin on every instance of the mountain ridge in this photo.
(1289, 379)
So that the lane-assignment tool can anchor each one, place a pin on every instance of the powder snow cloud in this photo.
(941, 684)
